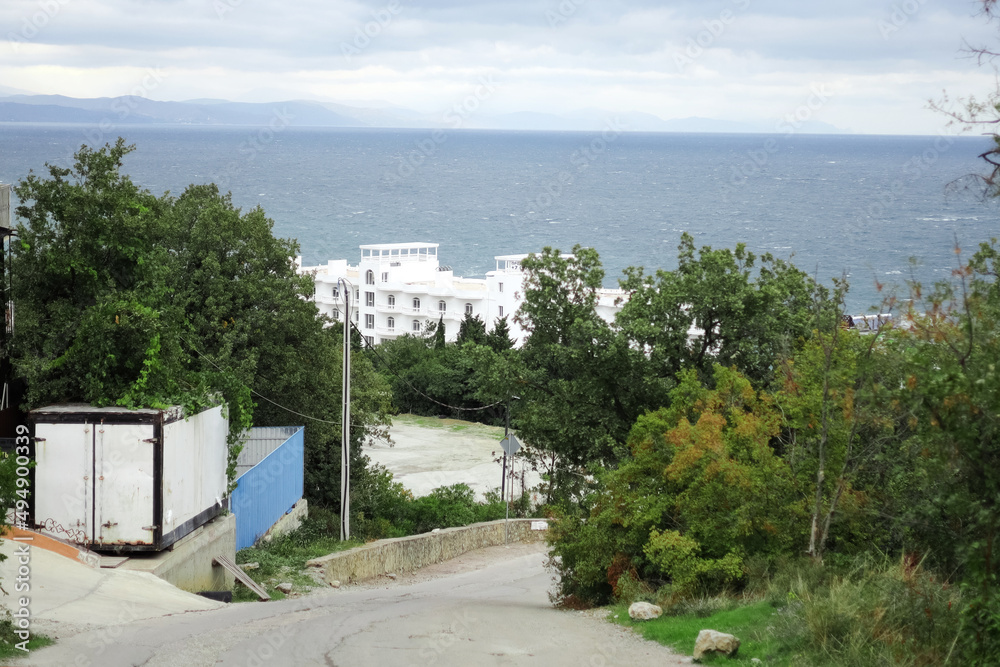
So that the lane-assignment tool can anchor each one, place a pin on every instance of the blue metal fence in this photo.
(268, 490)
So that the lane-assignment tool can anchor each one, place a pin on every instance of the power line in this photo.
(338, 423)
(261, 396)
(371, 347)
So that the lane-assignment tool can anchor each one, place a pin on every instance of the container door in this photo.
(123, 490)
(64, 486)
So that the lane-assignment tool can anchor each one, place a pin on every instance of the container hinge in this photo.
(39, 439)
(109, 524)
(151, 441)
(149, 528)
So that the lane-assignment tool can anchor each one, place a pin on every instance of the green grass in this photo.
(8, 640)
(452, 425)
(753, 624)
(283, 559)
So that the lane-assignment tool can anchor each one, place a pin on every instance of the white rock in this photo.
(284, 587)
(644, 611)
(335, 583)
(718, 642)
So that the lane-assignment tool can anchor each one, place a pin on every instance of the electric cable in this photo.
(432, 400)
(261, 396)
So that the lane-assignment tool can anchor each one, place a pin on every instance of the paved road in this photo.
(486, 608)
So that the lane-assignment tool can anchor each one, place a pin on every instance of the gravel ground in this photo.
(427, 452)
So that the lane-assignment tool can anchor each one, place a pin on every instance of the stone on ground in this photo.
(644, 611)
(715, 642)
(284, 587)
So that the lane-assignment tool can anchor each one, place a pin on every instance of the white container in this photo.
(128, 480)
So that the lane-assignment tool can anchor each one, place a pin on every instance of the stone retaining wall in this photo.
(406, 554)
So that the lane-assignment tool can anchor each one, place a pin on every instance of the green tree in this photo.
(749, 310)
(472, 330)
(841, 427)
(580, 383)
(952, 387)
(124, 298)
(701, 491)
(439, 340)
(499, 336)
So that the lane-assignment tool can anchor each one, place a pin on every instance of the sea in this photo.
(879, 210)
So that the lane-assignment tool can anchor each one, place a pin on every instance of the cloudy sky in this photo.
(864, 65)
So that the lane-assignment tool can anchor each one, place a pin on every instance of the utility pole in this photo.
(506, 434)
(345, 437)
(511, 445)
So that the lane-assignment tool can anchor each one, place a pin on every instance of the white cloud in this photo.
(728, 58)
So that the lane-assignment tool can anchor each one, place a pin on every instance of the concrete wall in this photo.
(405, 554)
(290, 521)
(188, 563)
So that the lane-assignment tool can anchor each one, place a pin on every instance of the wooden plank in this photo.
(242, 576)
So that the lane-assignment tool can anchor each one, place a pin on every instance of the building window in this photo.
(385, 276)
(370, 299)
(442, 306)
(468, 309)
(335, 314)
(416, 303)
(369, 321)
(335, 293)
(416, 326)
(500, 286)
(357, 316)
(390, 323)
(500, 311)
(392, 300)
(369, 277)
(370, 341)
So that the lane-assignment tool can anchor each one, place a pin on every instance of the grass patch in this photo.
(9, 640)
(284, 558)
(753, 624)
(875, 611)
(448, 424)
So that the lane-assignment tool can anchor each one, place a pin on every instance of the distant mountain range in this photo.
(131, 110)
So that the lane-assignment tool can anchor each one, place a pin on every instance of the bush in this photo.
(380, 506)
(877, 612)
(678, 558)
(445, 507)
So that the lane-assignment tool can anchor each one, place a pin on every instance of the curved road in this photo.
(486, 608)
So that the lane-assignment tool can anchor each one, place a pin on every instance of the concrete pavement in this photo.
(68, 597)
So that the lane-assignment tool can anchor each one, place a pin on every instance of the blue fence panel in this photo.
(268, 491)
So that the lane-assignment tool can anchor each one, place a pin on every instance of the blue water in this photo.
(855, 205)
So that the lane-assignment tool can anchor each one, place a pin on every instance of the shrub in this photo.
(877, 612)
(678, 558)
(445, 507)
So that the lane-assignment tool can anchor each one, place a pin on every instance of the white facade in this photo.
(398, 288)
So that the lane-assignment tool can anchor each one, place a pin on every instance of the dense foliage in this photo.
(129, 299)
(728, 422)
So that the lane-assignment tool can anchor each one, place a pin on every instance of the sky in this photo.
(867, 66)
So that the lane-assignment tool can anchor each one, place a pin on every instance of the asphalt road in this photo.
(486, 608)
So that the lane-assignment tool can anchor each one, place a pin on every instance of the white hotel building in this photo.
(400, 287)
